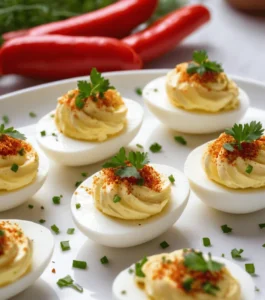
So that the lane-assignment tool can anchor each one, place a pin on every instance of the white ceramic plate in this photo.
(196, 222)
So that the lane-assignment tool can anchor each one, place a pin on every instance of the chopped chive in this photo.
(2, 232)
(52, 115)
(263, 245)
(138, 267)
(262, 225)
(67, 281)
(140, 182)
(65, 245)
(21, 151)
(206, 242)
(155, 90)
(14, 168)
(250, 268)
(187, 284)
(139, 146)
(32, 115)
(164, 245)
(78, 205)
(116, 198)
(78, 183)
(155, 147)
(223, 255)
(43, 133)
(70, 230)
(226, 229)
(79, 264)
(171, 178)
(236, 253)
(30, 206)
(139, 91)
(257, 289)
(123, 292)
(249, 169)
(54, 134)
(130, 271)
(84, 174)
(42, 221)
(56, 200)
(5, 119)
(104, 260)
(180, 140)
(55, 229)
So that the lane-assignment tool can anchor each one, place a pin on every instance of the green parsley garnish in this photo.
(104, 260)
(210, 288)
(32, 115)
(116, 198)
(206, 242)
(41, 221)
(243, 133)
(195, 261)
(226, 229)
(137, 159)
(5, 119)
(30, 206)
(250, 268)
(180, 140)
(21, 152)
(201, 64)
(55, 229)
(70, 230)
(78, 183)
(57, 199)
(67, 281)
(139, 91)
(65, 246)
(138, 267)
(11, 132)
(236, 253)
(78, 205)
(14, 168)
(43, 133)
(249, 169)
(79, 264)
(262, 225)
(187, 284)
(97, 86)
(164, 245)
(155, 148)
(171, 178)
(139, 146)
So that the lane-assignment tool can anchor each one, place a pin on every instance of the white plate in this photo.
(196, 222)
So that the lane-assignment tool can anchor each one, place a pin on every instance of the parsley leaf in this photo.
(97, 86)
(201, 64)
(243, 133)
(118, 160)
(236, 253)
(210, 288)
(128, 172)
(11, 132)
(138, 159)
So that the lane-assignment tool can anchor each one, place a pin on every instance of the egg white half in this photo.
(235, 201)
(113, 232)
(71, 152)
(43, 244)
(125, 282)
(187, 121)
(11, 199)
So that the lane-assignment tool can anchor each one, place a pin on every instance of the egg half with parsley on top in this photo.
(89, 124)
(196, 97)
(22, 170)
(184, 275)
(229, 173)
(129, 201)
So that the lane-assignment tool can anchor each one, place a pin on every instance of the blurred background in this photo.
(234, 36)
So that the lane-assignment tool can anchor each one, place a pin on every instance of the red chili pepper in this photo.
(116, 20)
(57, 56)
(166, 33)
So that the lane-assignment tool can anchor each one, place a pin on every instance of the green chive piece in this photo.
(263, 245)
(171, 178)
(180, 140)
(70, 230)
(223, 255)
(130, 271)
(14, 168)
(43, 133)
(78, 205)
(52, 115)
(30, 206)
(65, 246)
(41, 221)
(155, 147)
(249, 169)
(206, 242)
(236, 253)
(139, 146)
(257, 289)
(187, 284)
(5, 119)
(116, 198)
(78, 183)
(21, 152)
(226, 229)
(55, 229)
(104, 260)
(84, 174)
(262, 225)
(79, 264)
(32, 115)
(56, 200)
(155, 90)
(67, 281)
(138, 267)
(250, 268)
(139, 91)
(164, 245)
(123, 292)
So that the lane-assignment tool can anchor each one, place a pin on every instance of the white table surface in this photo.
(232, 37)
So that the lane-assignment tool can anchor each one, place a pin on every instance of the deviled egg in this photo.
(229, 173)
(196, 97)
(129, 202)
(25, 251)
(184, 275)
(90, 123)
(22, 170)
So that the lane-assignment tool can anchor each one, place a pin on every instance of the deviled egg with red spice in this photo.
(196, 97)
(25, 251)
(89, 124)
(129, 201)
(229, 173)
(184, 275)
(22, 170)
